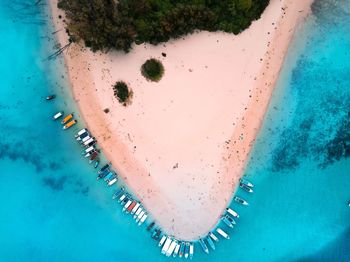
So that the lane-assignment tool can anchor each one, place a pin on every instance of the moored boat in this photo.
(241, 201)
(80, 132)
(171, 248)
(210, 242)
(222, 233)
(204, 246)
(143, 219)
(213, 237)
(162, 240)
(156, 234)
(127, 204)
(166, 245)
(246, 182)
(187, 250)
(246, 188)
(122, 197)
(103, 174)
(138, 218)
(91, 139)
(191, 250)
(113, 181)
(70, 124)
(93, 157)
(57, 115)
(80, 138)
(132, 205)
(135, 208)
(103, 168)
(228, 221)
(138, 211)
(182, 249)
(177, 249)
(50, 97)
(66, 119)
(96, 163)
(150, 226)
(232, 212)
(118, 193)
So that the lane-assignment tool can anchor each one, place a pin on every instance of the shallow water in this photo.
(52, 208)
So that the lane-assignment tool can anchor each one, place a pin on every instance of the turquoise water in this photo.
(52, 208)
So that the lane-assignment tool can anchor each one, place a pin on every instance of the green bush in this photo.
(122, 92)
(152, 70)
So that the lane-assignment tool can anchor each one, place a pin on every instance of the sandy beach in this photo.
(182, 144)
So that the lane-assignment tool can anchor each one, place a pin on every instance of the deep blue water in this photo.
(52, 208)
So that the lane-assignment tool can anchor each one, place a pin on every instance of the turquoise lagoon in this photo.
(52, 208)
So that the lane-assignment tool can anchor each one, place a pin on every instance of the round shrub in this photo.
(122, 92)
(152, 70)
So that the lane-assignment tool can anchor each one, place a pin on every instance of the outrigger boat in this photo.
(241, 201)
(135, 208)
(122, 197)
(222, 233)
(88, 150)
(166, 245)
(187, 250)
(81, 132)
(127, 205)
(103, 168)
(246, 188)
(86, 138)
(182, 249)
(213, 237)
(138, 211)
(232, 212)
(246, 182)
(70, 124)
(80, 138)
(162, 240)
(91, 139)
(66, 119)
(132, 205)
(191, 250)
(171, 248)
(50, 97)
(176, 251)
(143, 219)
(210, 242)
(118, 193)
(228, 221)
(204, 246)
(57, 115)
(113, 180)
(140, 216)
(150, 226)
(103, 174)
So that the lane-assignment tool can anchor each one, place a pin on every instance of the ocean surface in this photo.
(52, 208)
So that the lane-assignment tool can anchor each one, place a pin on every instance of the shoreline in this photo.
(206, 195)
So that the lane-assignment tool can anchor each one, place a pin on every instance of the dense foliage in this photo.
(152, 69)
(106, 24)
(122, 92)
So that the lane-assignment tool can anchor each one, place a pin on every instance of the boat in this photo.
(241, 201)
(93, 142)
(222, 233)
(246, 182)
(91, 139)
(246, 188)
(96, 163)
(191, 250)
(113, 181)
(57, 115)
(138, 211)
(210, 242)
(85, 138)
(125, 199)
(232, 212)
(103, 174)
(150, 226)
(132, 205)
(176, 251)
(182, 249)
(127, 204)
(88, 150)
(135, 208)
(143, 219)
(138, 218)
(103, 168)
(93, 156)
(213, 237)
(66, 119)
(156, 234)
(162, 240)
(187, 250)
(171, 248)
(204, 246)
(118, 193)
(122, 197)
(70, 124)
(50, 97)
(228, 221)
(166, 245)
(81, 132)
(349, 203)
(89, 154)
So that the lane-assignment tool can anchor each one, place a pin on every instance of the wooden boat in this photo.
(57, 115)
(232, 212)
(66, 119)
(191, 250)
(138, 211)
(241, 201)
(162, 240)
(70, 124)
(204, 246)
(50, 97)
(228, 221)
(222, 233)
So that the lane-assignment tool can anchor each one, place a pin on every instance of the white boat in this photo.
(138, 211)
(89, 141)
(204, 246)
(187, 250)
(122, 197)
(80, 132)
(57, 115)
(113, 181)
(213, 237)
(182, 249)
(191, 250)
(222, 233)
(176, 251)
(162, 240)
(228, 221)
(143, 218)
(241, 201)
(166, 245)
(246, 188)
(135, 208)
(89, 154)
(85, 138)
(88, 150)
(127, 204)
(140, 215)
(246, 182)
(232, 212)
(171, 248)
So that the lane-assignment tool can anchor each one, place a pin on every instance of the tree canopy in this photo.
(110, 24)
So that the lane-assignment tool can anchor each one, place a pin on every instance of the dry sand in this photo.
(183, 143)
